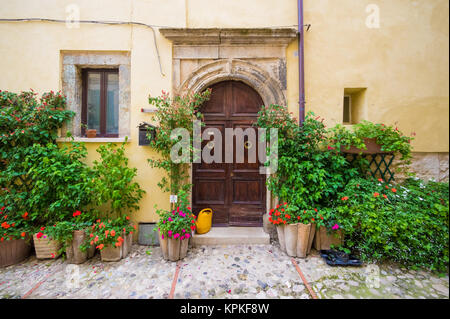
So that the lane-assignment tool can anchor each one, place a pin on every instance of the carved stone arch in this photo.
(239, 70)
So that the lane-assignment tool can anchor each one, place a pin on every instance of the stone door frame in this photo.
(257, 57)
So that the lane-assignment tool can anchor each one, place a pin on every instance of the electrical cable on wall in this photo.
(118, 23)
(98, 22)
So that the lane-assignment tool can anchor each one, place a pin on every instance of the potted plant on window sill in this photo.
(90, 133)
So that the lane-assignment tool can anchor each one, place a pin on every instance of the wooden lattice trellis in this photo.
(379, 164)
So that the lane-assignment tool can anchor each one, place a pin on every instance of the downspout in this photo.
(301, 64)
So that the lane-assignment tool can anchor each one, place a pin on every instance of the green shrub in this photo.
(406, 223)
(113, 184)
(310, 171)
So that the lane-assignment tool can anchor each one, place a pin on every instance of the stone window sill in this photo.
(94, 139)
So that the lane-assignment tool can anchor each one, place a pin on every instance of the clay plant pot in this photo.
(303, 234)
(174, 249)
(290, 238)
(127, 244)
(324, 240)
(46, 248)
(91, 133)
(312, 233)
(372, 147)
(91, 251)
(111, 253)
(14, 251)
(184, 247)
(164, 244)
(73, 251)
(280, 233)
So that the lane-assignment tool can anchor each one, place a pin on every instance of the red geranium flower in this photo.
(39, 235)
(394, 190)
(77, 213)
(376, 194)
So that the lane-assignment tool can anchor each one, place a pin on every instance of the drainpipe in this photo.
(301, 64)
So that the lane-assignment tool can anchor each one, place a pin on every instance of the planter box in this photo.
(147, 236)
(290, 239)
(14, 251)
(298, 239)
(371, 145)
(111, 253)
(73, 252)
(127, 244)
(174, 249)
(280, 233)
(324, 240)
(164, 244)
(46, 248)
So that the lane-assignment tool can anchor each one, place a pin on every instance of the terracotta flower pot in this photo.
(164, 244)
(184, 247)
(290, 238)
(73, 251)
(372, 147)
(280, 232)
(127, 244)
(111, 253)
(14, 251)
(324, 240)
(174, 249)
(46, 248)
(303, 235)
(91, 133)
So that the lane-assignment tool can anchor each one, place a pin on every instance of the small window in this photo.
(347, 109)
(354, 106)
(100, 105)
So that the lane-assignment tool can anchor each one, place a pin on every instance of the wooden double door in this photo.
(236, 192)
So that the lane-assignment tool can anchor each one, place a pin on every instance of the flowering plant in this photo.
(172, 113)
(109, 232)
(387, 221)
(178, 223)
(12, 226)
(389, 138)
(62, 231)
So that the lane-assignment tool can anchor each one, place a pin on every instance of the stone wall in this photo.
(430, 166)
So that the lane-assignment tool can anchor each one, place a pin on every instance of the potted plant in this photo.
(329, 233)
(175, 228)
(73, 236)
(45, 246)
(15, 242)
(90, 133)
(279, 219)
(115, 189)
(370, 138)
(107, 236)
(297, 229)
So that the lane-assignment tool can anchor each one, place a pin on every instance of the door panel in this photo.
(235, 191)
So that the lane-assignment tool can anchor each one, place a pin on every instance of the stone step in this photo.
(232, 236)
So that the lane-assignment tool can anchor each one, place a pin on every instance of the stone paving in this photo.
(235, 272)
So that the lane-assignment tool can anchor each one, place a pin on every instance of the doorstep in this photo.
(232, 236)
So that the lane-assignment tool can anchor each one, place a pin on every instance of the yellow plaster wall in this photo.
(403, 65)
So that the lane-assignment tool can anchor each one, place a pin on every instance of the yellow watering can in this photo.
(204, 221)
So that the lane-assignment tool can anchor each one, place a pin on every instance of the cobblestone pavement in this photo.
(237, 272)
